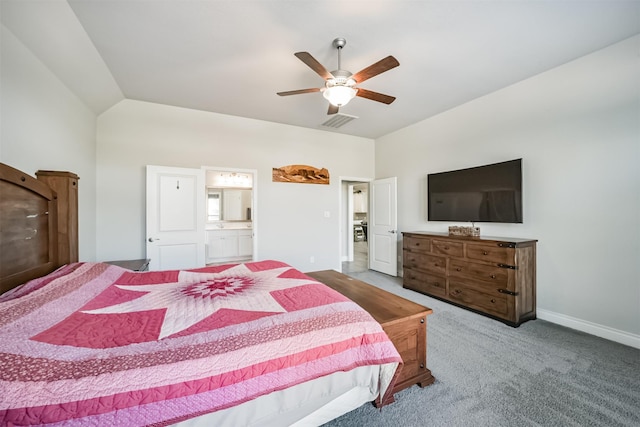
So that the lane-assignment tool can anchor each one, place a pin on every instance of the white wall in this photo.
(291, 225)
(577, 129)
(45, 126)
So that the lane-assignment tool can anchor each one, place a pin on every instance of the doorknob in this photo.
(392, 231)
(151, 239)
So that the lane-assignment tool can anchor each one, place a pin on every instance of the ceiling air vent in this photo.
(338, 120)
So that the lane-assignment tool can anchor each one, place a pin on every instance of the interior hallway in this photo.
(360, 261)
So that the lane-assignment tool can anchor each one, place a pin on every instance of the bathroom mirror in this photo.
(228, 204)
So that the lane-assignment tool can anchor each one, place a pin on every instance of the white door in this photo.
(383, 224)
(175, 218)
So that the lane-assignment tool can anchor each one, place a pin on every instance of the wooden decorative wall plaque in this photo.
(301, 174)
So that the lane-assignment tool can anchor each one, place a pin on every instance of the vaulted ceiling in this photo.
(231, 57)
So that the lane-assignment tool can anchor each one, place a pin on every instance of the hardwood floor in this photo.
(360, 259)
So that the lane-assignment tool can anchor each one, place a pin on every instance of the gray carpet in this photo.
(489, 374)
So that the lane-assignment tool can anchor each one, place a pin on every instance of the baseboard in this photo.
(591, 328)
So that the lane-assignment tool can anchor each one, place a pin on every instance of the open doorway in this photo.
(231, 215)
(355, 226)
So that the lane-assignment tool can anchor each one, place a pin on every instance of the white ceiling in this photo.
(231, 57)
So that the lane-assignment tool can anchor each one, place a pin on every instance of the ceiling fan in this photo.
(340, 85)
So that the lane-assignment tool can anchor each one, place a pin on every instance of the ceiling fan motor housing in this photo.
(340, 78)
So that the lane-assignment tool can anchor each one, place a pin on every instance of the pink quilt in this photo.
(94, 344)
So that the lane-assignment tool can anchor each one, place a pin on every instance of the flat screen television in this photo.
(489, 193)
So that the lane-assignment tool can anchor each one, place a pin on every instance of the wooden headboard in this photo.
(38, 224)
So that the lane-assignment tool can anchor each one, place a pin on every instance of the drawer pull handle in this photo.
(485, 253)
(493, 301)
(446, 248)
(458, 269)
(421, 320)
(493, 276)
(422, 365)
(508, 292)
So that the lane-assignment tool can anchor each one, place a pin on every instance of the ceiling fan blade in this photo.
(314, 64)
(332, 109)
(375, 96)
(299, 91)
(373, 70)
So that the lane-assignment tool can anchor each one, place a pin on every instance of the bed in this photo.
(85, 343)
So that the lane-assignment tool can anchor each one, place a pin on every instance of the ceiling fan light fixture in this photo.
(339, 91)
(339, 95)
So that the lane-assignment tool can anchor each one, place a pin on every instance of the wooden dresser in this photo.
(404, 321)
(493, 276)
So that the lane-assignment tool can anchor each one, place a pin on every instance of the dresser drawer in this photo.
(434, 264)
(426, 283)
(416, 243)
(494, 304)
(492, 253)
(447, 248)
(472, 270)
(414, 260)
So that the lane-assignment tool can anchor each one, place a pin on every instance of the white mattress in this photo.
(308, 404)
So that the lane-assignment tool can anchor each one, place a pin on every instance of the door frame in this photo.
(254, 199)
(345, 230)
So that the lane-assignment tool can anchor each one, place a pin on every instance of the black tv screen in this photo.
(489, 193)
